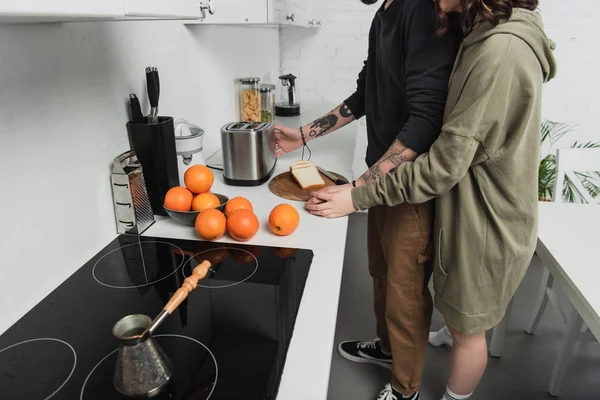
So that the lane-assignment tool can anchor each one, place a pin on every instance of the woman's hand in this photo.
(332, 202)
(286, 140)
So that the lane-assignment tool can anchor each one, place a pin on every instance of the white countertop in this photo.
(306, 371)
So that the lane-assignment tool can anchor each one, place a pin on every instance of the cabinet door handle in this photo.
(291, 18)
(207, 6)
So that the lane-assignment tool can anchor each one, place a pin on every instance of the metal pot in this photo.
(143, 369)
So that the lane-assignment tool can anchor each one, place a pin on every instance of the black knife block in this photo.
(154, 145)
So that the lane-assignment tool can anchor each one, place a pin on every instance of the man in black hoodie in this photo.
(402, 90)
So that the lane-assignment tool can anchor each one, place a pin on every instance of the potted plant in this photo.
(551, 133)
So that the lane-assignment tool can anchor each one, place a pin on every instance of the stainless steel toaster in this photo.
(248, 157)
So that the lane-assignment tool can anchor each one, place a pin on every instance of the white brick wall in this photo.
(573, 96)
(328, 60)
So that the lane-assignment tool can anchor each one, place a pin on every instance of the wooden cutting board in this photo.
(284, 185)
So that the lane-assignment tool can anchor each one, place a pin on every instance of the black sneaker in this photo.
(389, 393)
(368, 351)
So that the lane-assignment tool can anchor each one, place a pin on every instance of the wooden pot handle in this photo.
(190, 283)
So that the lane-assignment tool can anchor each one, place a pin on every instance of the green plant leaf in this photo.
(586, 145)
(547, 175)
(590, 181)
(554, 131)
(571, 193)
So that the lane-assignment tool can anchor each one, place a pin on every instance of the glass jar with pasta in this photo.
(249, 95)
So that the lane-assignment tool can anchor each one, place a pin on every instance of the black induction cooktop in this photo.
(228, 340)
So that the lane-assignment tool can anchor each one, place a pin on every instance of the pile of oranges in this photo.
(238, 219)
(196, 195)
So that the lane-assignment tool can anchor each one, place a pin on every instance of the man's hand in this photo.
(332, 202)
(286, 140)
(289, 139)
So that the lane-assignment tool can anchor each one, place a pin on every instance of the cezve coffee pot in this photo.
(143, 369)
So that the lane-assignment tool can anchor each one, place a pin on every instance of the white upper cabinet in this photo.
(59, 9)
(67, 10)
(275, 12)
(163, 8)
(295, 12)
(234, 11)
(280, 12)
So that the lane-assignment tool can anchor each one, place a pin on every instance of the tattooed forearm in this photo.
(337, 118)
(397, 154)
(345, 111)
(323, 125)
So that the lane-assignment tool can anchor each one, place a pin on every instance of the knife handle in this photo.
(152, 88)
(157, 80)
(136, 110)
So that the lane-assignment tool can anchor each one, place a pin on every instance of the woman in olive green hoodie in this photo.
(482, 169)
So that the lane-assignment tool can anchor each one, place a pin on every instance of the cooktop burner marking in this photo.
(143, 265)
(156, 336)
(51, 340)
(228, 285)
(143, 260)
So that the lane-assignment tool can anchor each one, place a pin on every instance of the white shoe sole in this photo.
(350, 357)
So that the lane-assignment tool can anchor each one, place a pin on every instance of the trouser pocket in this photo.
(440, 275)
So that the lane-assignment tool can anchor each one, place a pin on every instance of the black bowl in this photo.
(189, 217)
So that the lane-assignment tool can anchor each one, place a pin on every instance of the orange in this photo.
(245, 255)
(211, 224)
(242, 225)
(198, 179)
(182, 252)
(204, 201)
(179, 198)
(284, 219)
(283, 252)
(237, 203)
(214, 256)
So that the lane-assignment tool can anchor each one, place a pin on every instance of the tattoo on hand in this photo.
(322, 125)
(345, 111)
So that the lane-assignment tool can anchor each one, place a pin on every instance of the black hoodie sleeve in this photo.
(356, 102)
(429, 62)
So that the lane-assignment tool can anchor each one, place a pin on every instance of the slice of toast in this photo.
(307, 175)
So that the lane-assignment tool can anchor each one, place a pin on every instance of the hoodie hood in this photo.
(528, 26)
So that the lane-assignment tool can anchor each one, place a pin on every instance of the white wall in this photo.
(328, 60)
(572, 97)
(62, 112)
